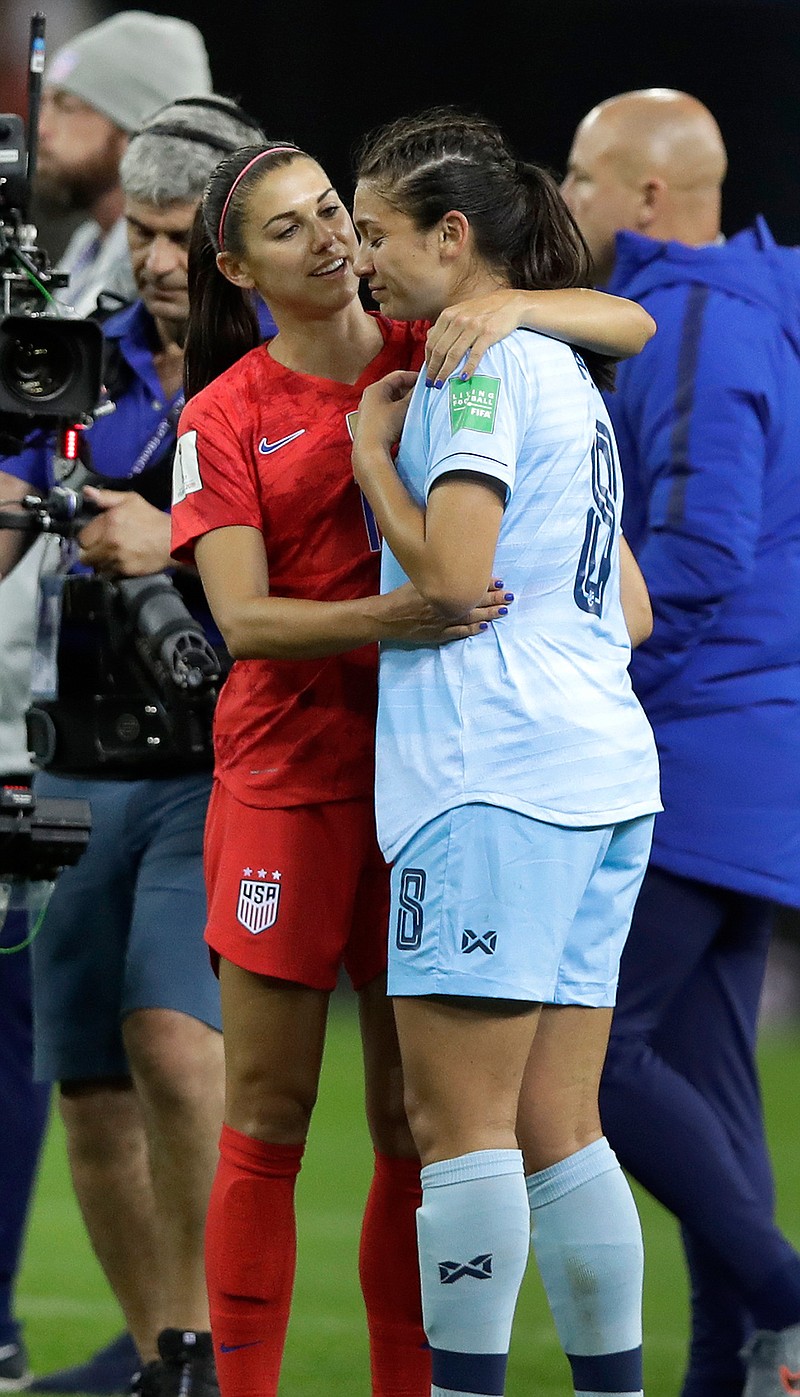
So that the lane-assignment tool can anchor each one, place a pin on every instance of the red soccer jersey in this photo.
(270, 448)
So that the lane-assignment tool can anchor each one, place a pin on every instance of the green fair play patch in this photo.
(473, 404)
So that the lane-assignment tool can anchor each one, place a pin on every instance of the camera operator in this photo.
(98, 88)
(126, 1003)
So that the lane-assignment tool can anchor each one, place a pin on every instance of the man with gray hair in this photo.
(126, 1005)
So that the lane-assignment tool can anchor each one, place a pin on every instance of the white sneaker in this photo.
(15, 1375)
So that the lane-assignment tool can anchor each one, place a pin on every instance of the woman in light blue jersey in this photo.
(517, 777)
(288, 556)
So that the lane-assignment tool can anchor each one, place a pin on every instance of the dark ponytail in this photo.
(223, 325)
(446, 159)
(551, 251)
(222, 320)
(554, 253)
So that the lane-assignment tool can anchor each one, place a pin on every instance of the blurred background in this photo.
(321, 74)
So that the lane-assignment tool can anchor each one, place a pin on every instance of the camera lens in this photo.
(37, 364)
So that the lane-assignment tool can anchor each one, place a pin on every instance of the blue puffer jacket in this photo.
(708, 424)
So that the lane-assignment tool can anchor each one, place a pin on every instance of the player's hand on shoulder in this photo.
(469, 327)
(128, 537)
(413, 621)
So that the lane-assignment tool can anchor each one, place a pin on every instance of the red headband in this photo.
(273, 150)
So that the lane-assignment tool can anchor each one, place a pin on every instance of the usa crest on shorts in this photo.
(259, 897)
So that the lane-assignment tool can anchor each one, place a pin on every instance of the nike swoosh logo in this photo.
(267, 447)
(232, 1348)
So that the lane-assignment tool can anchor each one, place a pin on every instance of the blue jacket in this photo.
(708, 423)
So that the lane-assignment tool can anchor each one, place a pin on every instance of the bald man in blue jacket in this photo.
(707, 419)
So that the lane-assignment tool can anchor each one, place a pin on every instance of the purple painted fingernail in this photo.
(439, 383)
(502, 611)
(509, 596)
(428, 382)
(484, 626)
(463, 377)
(497, 584)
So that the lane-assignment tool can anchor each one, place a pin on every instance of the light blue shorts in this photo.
(490, 903)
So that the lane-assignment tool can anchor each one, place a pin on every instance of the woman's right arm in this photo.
(232, 563)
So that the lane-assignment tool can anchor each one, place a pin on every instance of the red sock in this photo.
(251, 1247)
(389, 1270)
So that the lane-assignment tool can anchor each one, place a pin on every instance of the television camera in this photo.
(153, 674)
(143, 697)
(50, 365)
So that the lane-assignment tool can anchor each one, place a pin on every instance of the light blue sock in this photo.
(588, 1244)
(474, 1236)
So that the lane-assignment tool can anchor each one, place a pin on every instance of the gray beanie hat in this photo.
(131, 64)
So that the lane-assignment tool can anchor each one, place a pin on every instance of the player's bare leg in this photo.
(383, 1074)
(274, 1034)
(558, 1111)
(463, 1062)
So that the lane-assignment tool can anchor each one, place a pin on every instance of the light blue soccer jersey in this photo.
(537, 714)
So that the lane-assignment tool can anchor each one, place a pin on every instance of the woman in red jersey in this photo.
(287, 549)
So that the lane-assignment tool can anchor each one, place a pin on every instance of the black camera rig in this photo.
(50, 365)
(40, 837)
(38, 840)
(132, 679)
(142, 696)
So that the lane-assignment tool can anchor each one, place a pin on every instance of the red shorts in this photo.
(297, 892)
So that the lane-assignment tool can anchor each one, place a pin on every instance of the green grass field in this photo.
(68, 1310)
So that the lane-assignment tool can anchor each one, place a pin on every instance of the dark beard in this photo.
(54, 196)
(76, 194)
(75, 191)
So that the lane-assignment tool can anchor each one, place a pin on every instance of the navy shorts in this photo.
(124, 928)
(493, 904)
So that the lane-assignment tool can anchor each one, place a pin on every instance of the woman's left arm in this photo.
(634, 596)
(590, 319)
(446, 550)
